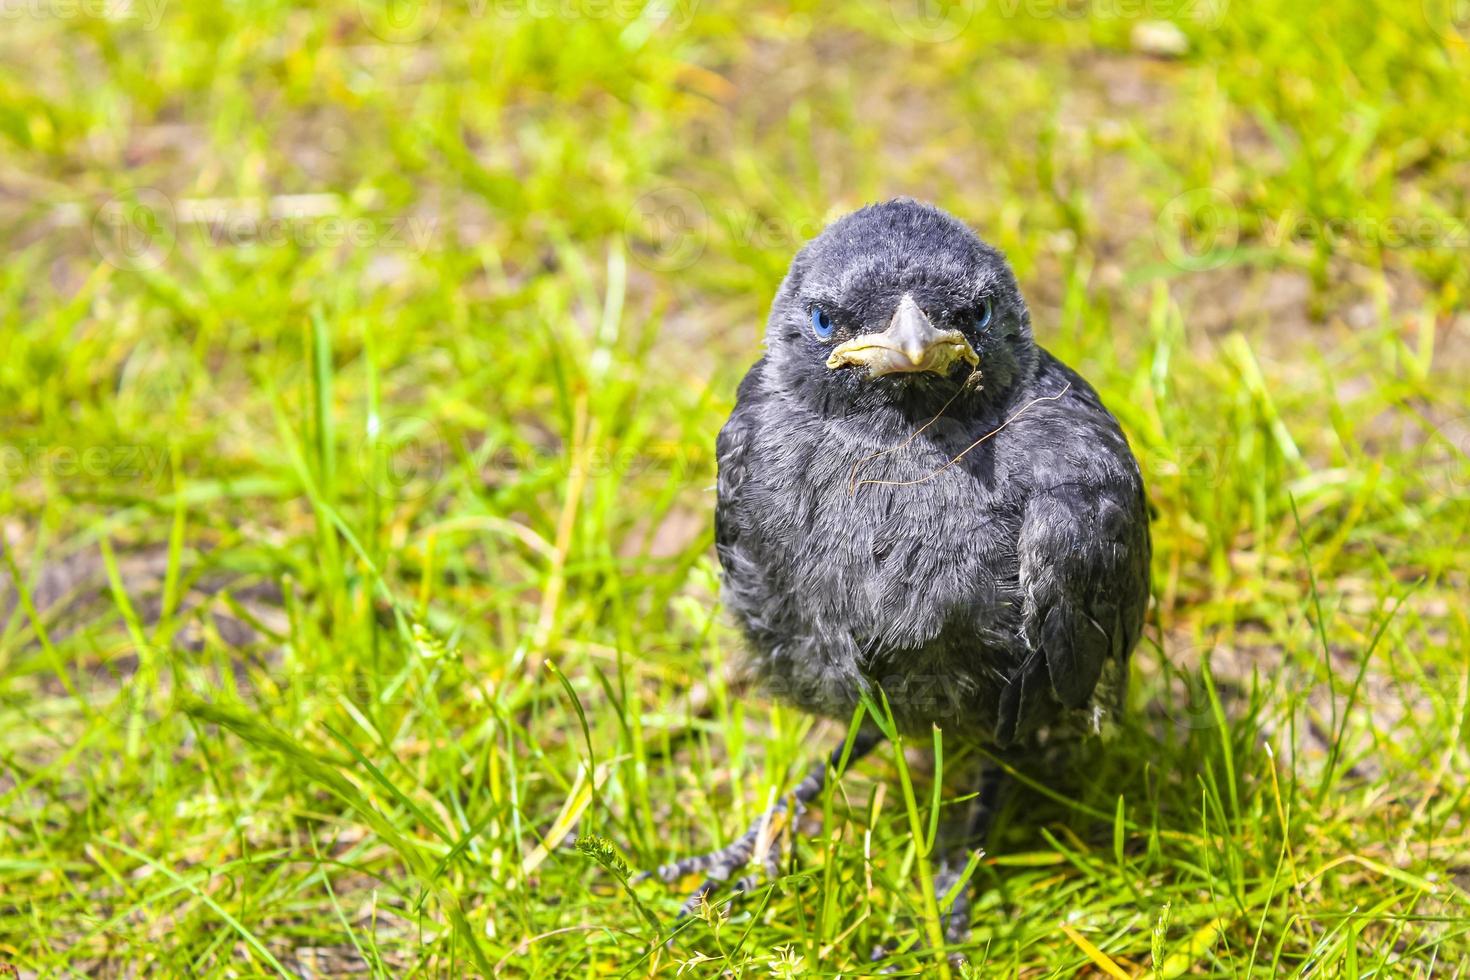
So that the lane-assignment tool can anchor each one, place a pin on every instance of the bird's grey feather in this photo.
(990, 596)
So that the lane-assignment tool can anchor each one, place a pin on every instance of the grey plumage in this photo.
(916, 498)
(990, 596)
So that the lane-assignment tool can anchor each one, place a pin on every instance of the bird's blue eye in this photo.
(822, 324)
(987, 312)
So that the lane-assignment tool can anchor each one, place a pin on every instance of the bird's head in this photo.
(898, 302)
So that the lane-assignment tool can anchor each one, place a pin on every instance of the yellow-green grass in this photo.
(360, 369)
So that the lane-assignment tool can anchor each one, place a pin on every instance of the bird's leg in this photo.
(961, 836)
(717, 866)
(981, 815)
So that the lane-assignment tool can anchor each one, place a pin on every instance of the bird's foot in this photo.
(759, 843)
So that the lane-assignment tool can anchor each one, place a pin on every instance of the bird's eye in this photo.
(822, 324)
(985, 314)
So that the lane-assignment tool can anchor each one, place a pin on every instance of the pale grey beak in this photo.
(911, 343)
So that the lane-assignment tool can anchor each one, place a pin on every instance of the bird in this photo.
(916, 502)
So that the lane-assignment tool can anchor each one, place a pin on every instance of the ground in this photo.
(360, 368)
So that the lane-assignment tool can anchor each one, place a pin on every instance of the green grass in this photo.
(357, 552)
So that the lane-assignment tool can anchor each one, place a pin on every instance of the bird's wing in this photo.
(1084, 556)
(732, 459)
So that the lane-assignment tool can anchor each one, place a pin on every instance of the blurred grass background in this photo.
(360, 366)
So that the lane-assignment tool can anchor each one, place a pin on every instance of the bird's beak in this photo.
(911, 343)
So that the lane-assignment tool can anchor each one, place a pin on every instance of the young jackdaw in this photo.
(915, 498)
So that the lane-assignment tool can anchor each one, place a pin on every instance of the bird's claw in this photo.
(763, 838)
(718, 866)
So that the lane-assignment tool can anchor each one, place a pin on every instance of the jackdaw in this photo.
(920, 505)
